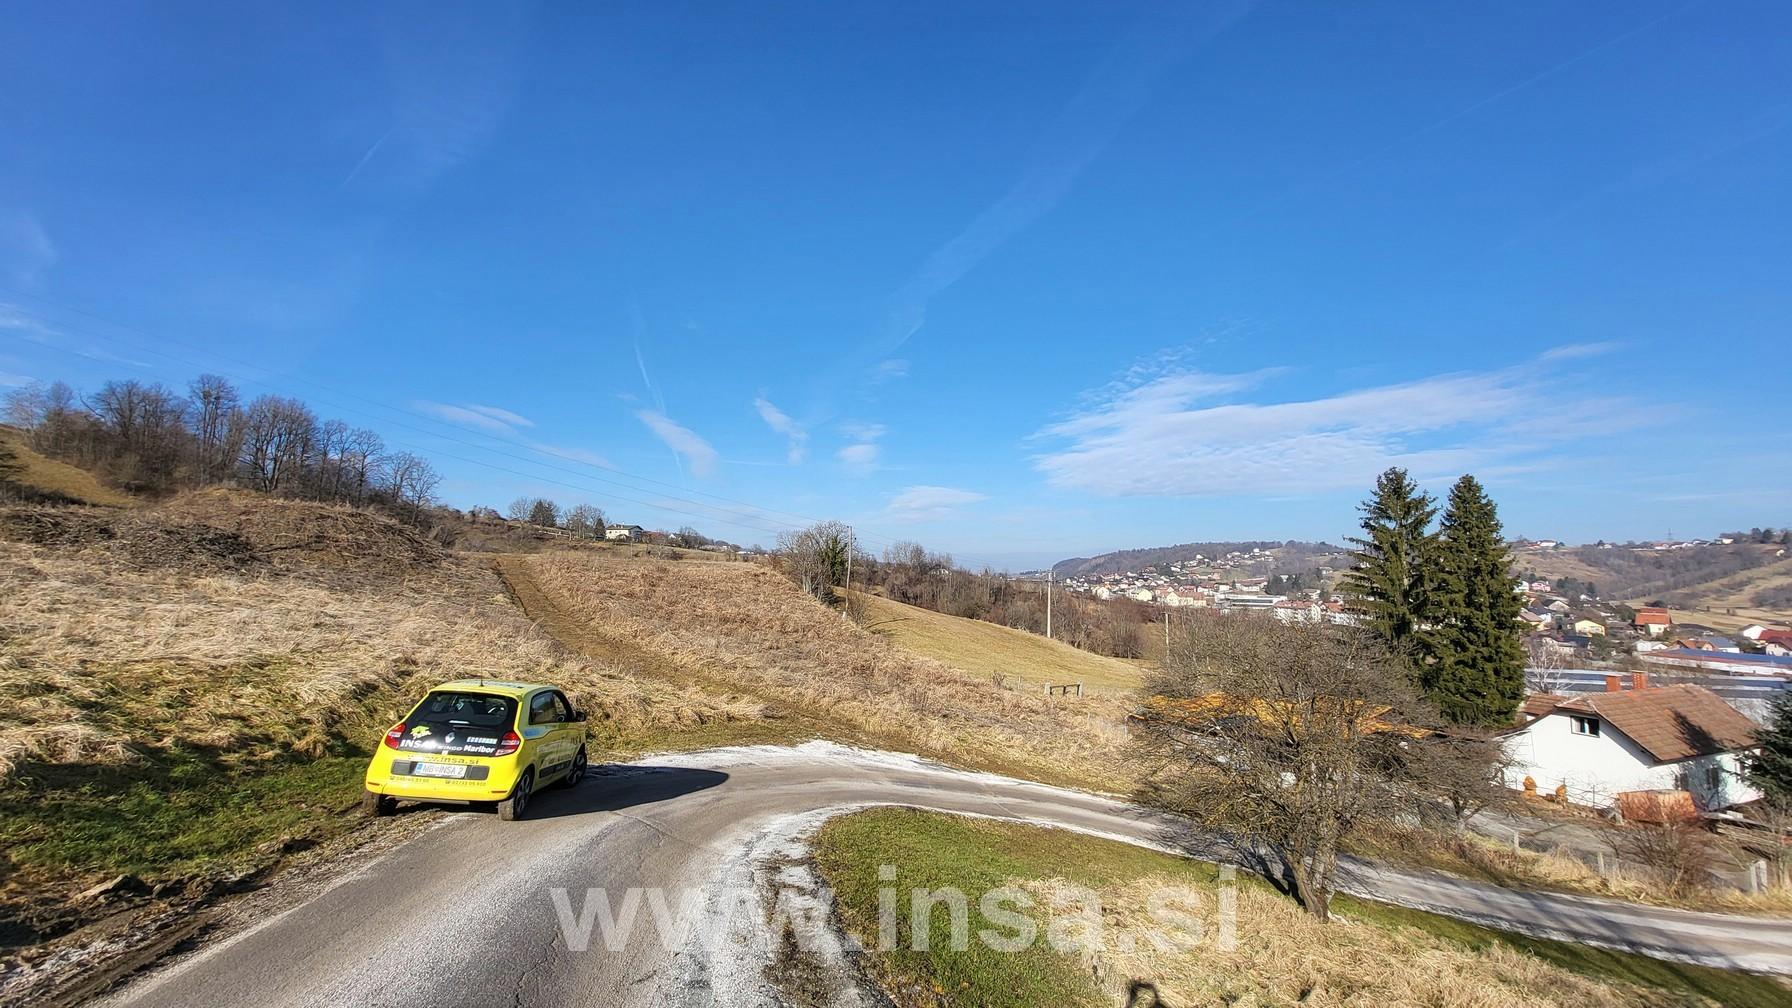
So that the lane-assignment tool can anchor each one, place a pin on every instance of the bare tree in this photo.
(211, 401)
(27, 406)
(519, 509)
(817, 557)
(145, 428)
(1287, 738)
(277, 435)
(411, 481)
(1546, 667)
(585, 519)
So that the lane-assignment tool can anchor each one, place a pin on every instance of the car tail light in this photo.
(510, 743)
(394, 735)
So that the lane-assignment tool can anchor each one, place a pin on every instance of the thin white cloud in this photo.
(1175, 435)
(26, 326)
(859, 459)
(699, 454)
(452, 82)
(570, 454)
(10, 380)
(16, 320)
(1112, 93)
(1578, 351)
(862, 456)
(486, 418)
(503, 415)
(929, 503)
(26, 251)
(889, 370)
(780, 422)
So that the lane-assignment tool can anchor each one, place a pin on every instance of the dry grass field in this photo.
(993, 651)
(187, 684)
(1369, 954)
(58, 477)
(744, 627)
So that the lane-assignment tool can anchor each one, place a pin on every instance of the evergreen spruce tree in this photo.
(1477, 676)
(1770, 767)
(1389, 584)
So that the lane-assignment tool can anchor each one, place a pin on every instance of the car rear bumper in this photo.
(487, 780)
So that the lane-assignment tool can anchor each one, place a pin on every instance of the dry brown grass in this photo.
(189, 686)
(1285, 956)
(997, 652)
(744, 626)
(56, 477)
(305, 631)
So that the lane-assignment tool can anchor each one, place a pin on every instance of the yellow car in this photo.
(479, 740)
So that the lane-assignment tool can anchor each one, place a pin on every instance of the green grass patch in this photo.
(179, 814)
(934, 850)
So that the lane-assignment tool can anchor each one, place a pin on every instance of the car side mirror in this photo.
(580, 715)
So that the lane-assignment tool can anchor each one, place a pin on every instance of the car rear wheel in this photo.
(376, 805)
(577, 772)
(513, 807)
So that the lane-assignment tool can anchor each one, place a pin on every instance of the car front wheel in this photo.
(513, 807)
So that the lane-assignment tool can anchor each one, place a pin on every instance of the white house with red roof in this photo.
(1654, 620)
(1596, 746)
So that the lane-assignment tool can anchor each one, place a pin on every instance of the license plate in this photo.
(438, 770)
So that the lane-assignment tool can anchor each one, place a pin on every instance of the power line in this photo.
(713, 513)
(769, 526)
(434, 421)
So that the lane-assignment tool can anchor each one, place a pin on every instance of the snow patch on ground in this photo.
(834, 754)
(737, 955)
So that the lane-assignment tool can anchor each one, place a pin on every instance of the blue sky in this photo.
(1019, 282)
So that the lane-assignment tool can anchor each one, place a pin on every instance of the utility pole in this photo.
(1048, 603)
(846, 608)
(1166, 633)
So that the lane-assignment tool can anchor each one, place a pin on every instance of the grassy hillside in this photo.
(193, 689)
(1369, 955)
(57, 478)
(744, 628)
(994, 651)
(1722, 586)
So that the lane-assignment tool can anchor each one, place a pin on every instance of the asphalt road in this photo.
(464, 914)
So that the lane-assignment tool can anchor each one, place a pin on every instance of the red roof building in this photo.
(1654, 619)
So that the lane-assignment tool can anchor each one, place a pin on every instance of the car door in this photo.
(572, 732)
(547, 732)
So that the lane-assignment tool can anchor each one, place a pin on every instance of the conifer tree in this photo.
(1770, 767)
(1477, 675)
(1389, 584)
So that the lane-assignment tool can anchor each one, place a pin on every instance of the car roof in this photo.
(501, 687)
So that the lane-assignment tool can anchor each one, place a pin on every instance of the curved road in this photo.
(465, 914)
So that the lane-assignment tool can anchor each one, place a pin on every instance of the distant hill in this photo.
(1290, 557)
(1621, 572)
(1725, 585)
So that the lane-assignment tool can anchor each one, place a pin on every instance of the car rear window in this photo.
(454, 722)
